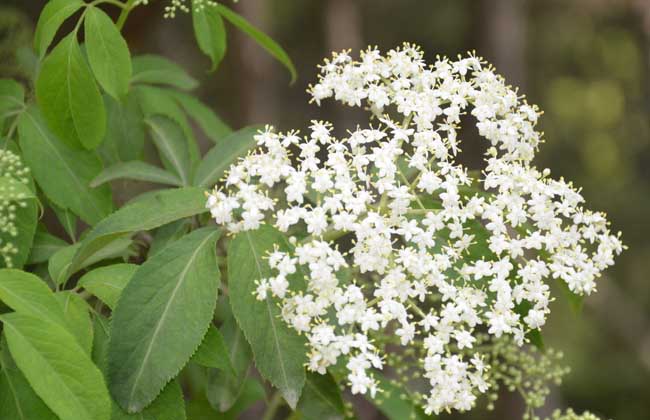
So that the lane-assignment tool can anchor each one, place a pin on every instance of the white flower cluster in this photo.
(436, 255)
(11, 200)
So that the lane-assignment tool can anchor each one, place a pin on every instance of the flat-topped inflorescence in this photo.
(438, 254)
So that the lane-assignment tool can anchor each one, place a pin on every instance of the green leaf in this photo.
(62, 172)
(321, 398)
(210, 33)
(223, 154)
(167, 234)
(108, 53)
(12, 97)
(213, 352)
(57, 368)
(52, 17)
(169, 405)
(224, 389)
(108, 282)
(150, 212)
(260, 37)
(75, 312)
(170, 141)
(279, 351)
(18, 401)
(45, 245)
(25, 293)
(161, 318)
(69, 98)
(155, 101)
(136, 170)
(210, 123)
(153, 69)
(60, 265)
(124, 138)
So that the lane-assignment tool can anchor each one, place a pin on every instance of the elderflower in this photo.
(11, 201)
(401, 244)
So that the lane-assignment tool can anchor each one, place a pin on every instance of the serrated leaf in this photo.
(75, 312)
(321, 398)
(170, 141)
(45, 245)
(153, 69)
(138, 171)
(213, 352)
(108, 53)
(206, 118)
(169, 405)
(124, 140)
(69, 98)
(25, 293)
(57, 368)
(258, 36)
(107, 282)
(161, 318)
(18, 401)
(147, 213)
(52, 17)
(210, 33)
(226, 151)
(62, 172)
(279, 351)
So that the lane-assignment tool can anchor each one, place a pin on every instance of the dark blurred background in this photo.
(586, 63)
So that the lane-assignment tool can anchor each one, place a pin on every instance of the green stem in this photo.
(128, 6)
(273, 406)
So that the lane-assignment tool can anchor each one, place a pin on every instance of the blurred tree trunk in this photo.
(257, 69)
(504, 35)
(343, 23)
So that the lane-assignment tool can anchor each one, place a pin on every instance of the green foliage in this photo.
(82, 126)
(69, 97)
(155, 70)
(57, 367)
(136, 170)
(161, 318)
(108, 53)
(53, 15)
(279, 351)
(210, 34)
(321, 398)
(261, 38)
(62, 172)
(108, 282)
(169, 139)
(17, 398)
(225, 150)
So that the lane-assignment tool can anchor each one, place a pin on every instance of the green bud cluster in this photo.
(571, 415)
(10, 202)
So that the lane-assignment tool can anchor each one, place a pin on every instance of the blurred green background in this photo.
(586, 63)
